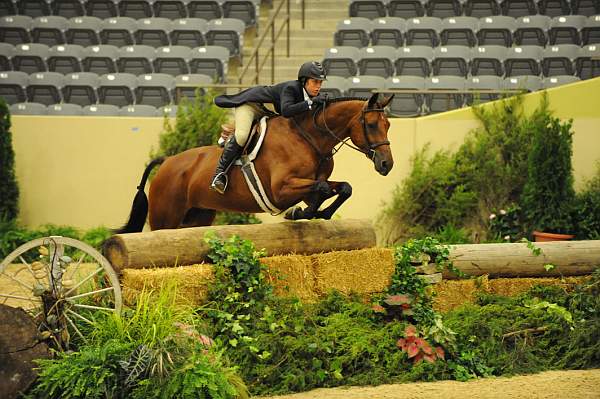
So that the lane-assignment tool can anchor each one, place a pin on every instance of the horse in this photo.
(294, 163)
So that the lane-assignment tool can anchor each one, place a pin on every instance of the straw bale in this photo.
(192, 282)
(362, 271)
(292, 275)
(451, 294)
(516, 286)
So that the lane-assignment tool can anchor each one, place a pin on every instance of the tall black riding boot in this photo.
(230, 153)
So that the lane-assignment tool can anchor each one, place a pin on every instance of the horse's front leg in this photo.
(319, 192)
(343, 190)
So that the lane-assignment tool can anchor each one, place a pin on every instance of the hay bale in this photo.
(363, 271)
(192, 282)
(517, 286)
(292, 275)
(451, 294)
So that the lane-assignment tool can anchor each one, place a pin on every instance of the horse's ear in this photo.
(373, 100)
(386, 101)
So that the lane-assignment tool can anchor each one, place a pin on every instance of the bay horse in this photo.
(294, 163)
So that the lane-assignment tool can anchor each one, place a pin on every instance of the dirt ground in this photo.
(571, 384)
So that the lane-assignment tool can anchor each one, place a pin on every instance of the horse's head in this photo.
(369, 132)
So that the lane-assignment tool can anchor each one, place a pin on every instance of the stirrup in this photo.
(216, 186)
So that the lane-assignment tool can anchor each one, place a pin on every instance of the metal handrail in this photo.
(258, 65)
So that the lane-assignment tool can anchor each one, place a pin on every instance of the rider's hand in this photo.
(319, 100)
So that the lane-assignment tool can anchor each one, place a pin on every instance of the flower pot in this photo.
(540, 236)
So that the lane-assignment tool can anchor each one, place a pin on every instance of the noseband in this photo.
(369, 152)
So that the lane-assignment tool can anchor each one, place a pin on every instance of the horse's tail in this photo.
(139, 209)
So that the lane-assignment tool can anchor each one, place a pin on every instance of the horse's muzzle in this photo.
(383, 162)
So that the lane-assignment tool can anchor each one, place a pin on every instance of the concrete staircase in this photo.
(308, 44)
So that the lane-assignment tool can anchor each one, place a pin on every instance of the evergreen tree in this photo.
(9, 191)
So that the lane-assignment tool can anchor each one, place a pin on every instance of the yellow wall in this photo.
(84, 171)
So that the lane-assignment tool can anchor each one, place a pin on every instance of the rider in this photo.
(288, 99)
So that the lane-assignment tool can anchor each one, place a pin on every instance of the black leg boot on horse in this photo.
(231, 152)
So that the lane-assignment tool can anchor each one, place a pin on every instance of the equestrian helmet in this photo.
(312, 69)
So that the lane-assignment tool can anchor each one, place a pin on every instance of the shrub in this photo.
(588, 209)
(9, 191)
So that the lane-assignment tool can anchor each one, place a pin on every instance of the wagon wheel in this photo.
(62, 283)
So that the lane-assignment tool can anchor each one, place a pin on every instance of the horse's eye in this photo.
(372, 125)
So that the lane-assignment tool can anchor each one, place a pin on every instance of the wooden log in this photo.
(164, 248)
(570, 258)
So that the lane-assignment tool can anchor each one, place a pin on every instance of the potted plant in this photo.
(548, 195)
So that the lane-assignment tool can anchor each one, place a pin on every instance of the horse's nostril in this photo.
(384, 164)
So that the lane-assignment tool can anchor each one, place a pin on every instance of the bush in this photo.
(9, 191)
(588, 209)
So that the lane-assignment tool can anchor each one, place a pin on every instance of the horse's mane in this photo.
(339, 99)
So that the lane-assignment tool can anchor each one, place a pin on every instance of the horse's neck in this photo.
(333, 124)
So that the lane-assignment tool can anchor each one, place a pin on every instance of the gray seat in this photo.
(532, 30)
(406, 8)
(587, 64)
(388, 31)
(171, 9)
(168, 111)
(559, 80)
(488, 60)
(33, 8)
(362, 86)
(559, 60)
(136, 59)
(566, 29)
(585, 7)
(481, 83)
(245, 10)
(444, 8)
(444, 102)
(84, 31)
(14, 29)
(188, 32)
(136, 9)
(205, 9)
(451, 60)
(30, 57)
(590, 34)
(65, 58)
(523, 60)
(210, 60)
(28, 109)
(423, 31)
(481, 8)
(81, 88)
(518, 8)
(353, 32)
(460, 31)
(101, 110)
(153, 32)
(496, 30)
(341, 61)
(414, 61)
(101, 8)
(554, 8)
(45, 87)
(155, 89)
(68, 8)
(6, 53)
(100, 59)
(370, 9)
(188, 86)
(406, 104)
(138, 110)
(228, 33)
(334, 86)
(118, 31)
(49, 30)
(8, 7)
(377, 61)
(172, 60)
(65, 109)
(527, 83)
(117, 89)
(12, 86)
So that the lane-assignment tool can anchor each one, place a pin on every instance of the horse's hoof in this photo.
(291, 213)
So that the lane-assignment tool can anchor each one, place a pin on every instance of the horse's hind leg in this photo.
(196, 217)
